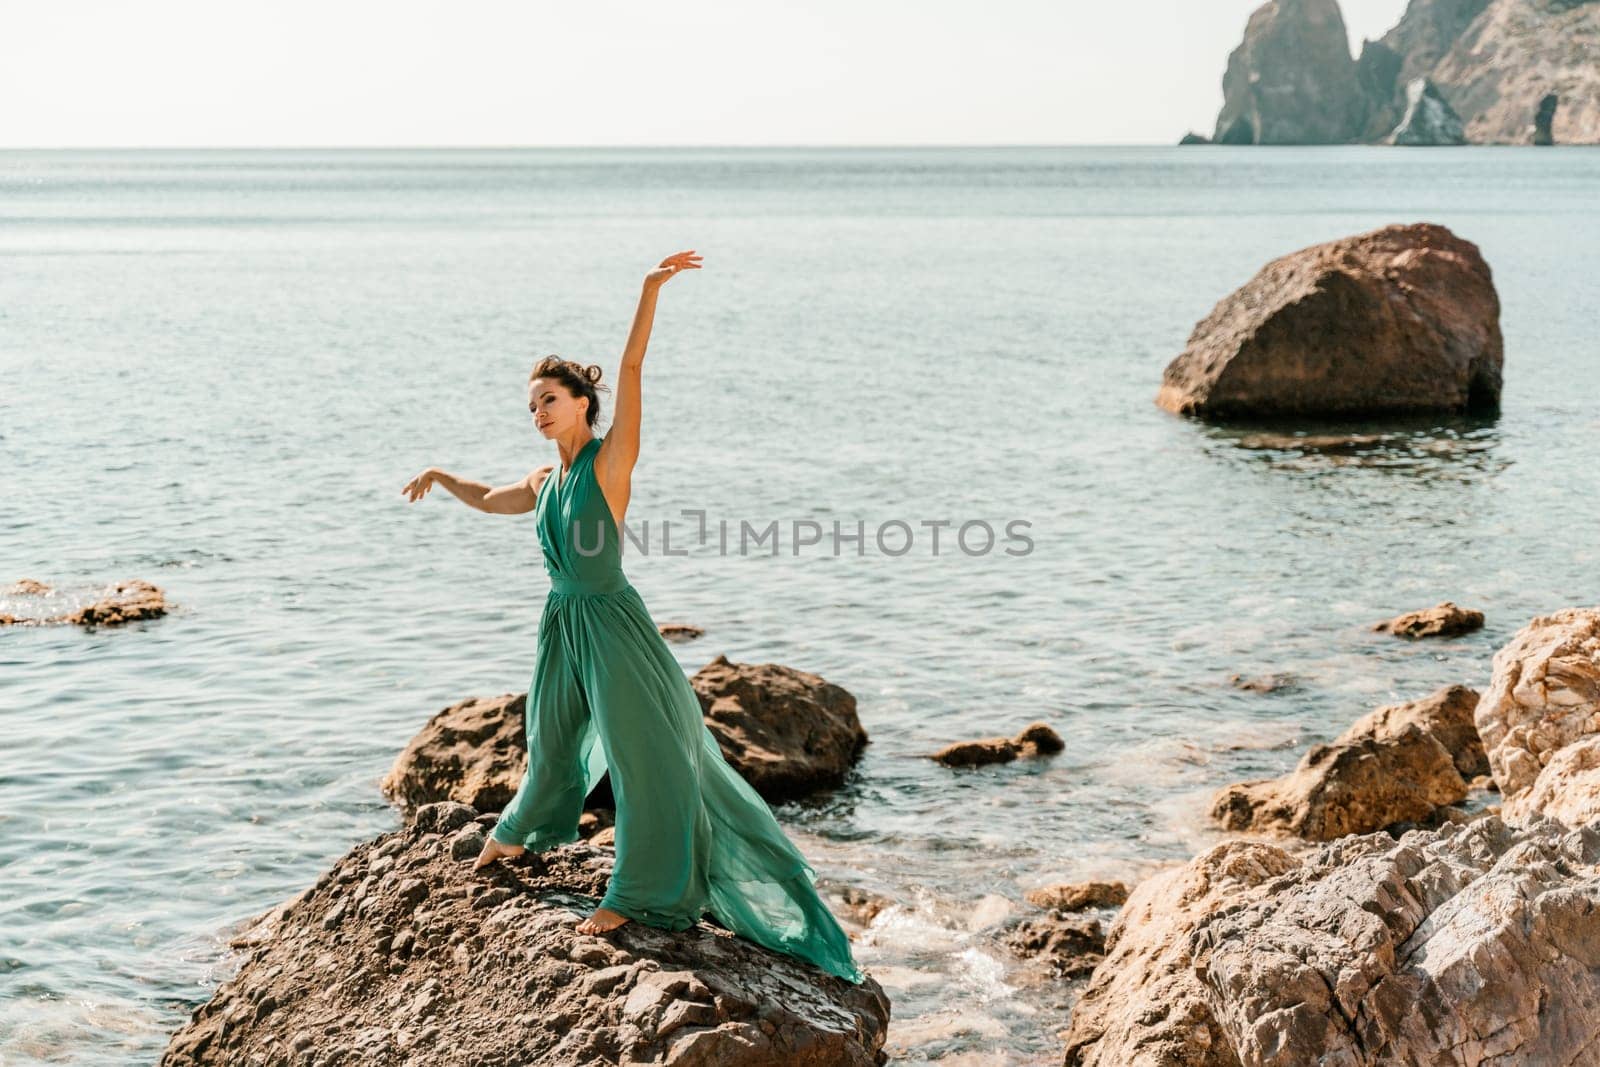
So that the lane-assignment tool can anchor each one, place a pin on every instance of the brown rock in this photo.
(1069, 945)
(1474, 943)
(418, 960)
(1568, 789)
(1291, 80)
(1363, 781)
(1076, 896)
(1441, 620)
(1035, 739)
(1446, 713)
(1544, 695)
(787, 732)
(1399, 319)
(679, 632)
(124, 602)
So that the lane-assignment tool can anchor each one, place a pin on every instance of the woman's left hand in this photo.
(672, 265)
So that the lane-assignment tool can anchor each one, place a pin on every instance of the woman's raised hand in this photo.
(418, 487)
(672, 265)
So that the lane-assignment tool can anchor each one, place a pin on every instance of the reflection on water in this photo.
(1461, 448)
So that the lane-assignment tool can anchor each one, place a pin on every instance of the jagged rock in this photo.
(1441, 620)
(1544, 119)
(1266, 683)
(1513, 55)
(1069, 945)
(1035, 739)
(400, 954)
(1144, 1005)
(1399, 763)
(1543, 696)
(122, 602)
(1410, 50)
(787, 732)
(1076, 896)
(1428, 118)
(1447, 713)
(1474, 943)
(1567, 789)
(1291, 80)
(1398, 319)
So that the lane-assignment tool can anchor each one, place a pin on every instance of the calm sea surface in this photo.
(217, 369)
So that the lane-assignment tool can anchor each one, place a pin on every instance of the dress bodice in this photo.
(581, 541)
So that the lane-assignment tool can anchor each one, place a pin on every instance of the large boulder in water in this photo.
(1400, 319)
(787, 732)
(1544, 697)
(1291, 80)
(1473, 943)
(401, 954)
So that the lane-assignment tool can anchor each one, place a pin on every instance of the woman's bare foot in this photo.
(602, 920)
(493, 850)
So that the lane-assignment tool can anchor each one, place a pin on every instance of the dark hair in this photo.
(578, 379)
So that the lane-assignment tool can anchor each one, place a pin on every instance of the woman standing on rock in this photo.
(691, 834)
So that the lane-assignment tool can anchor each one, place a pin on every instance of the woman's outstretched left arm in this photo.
(614, 462)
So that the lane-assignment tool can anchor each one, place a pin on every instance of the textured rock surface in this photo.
(1476, 943)
(1428, 118)
(1544, 695)
(1410, 50)
(1076, 896)
(1403, 318)
(1568, 789)
(400, 954)
(1447, 713)
(1512, 55)
(1441, 620)
(785, 731)
(1291, 80)
(1351, 786)
(1035, 739)
(1070, 945)
(1398, 763)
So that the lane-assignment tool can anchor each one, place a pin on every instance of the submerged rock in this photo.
(1441, 620)
(1473, 943)
(401, 954)
(1543, 697)
(1428, 118)
(1076, 896)
(1399, 319)
(123, 602)
(787, 732)
(1035, 739)
(1399, 763)
(1069, 945)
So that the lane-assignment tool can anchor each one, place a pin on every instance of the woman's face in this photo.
(555, 411)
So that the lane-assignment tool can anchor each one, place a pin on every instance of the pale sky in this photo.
(156, 73)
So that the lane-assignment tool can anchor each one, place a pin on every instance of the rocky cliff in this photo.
(1494, 63)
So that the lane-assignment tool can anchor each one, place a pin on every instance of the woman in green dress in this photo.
(692, 836)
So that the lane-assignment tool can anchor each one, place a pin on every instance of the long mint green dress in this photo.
(691, 834)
